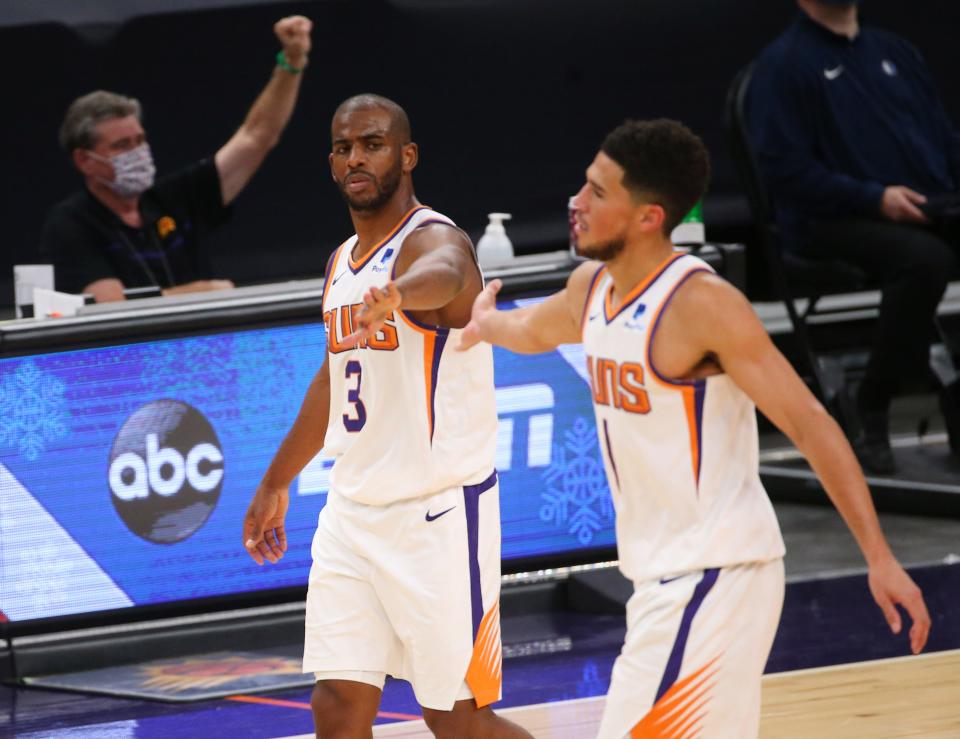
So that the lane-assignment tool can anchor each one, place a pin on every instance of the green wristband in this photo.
(285, 65)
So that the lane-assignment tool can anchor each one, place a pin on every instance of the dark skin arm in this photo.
(437, 281)
(537, 328)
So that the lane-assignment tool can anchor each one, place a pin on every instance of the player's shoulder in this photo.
(434, 232)
(437, 234)
(704, 292)
(580, 284)
(584, 275)
(706, 306)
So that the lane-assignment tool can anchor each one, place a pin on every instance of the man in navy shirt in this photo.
(862, 162)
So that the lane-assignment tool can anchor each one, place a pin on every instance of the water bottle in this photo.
(494, 248)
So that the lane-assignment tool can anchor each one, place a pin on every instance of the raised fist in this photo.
(293, 33)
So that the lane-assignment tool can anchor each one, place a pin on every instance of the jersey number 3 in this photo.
(353, 396)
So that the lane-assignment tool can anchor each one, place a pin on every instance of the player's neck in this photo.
(841, 19)
(373, 227)
(636, 263)
(126, 209)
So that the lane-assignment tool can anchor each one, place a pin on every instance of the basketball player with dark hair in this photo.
(677, 359)
(406, 558)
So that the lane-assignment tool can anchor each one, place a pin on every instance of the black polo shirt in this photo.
(86, 241)
(836, 120)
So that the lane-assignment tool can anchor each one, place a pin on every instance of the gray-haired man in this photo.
(126, 230)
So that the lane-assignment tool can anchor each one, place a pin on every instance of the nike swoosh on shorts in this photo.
(434, 518)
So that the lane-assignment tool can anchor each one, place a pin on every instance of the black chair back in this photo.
(813, 278)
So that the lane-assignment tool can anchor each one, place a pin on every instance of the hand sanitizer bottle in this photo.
(494, 248)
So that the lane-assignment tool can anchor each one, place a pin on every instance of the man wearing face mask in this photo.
(126, 229)
(863, 165)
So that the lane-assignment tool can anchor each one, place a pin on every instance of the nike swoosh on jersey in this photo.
(832, 74)
(434, 518)
(665, 580)
(334, 280)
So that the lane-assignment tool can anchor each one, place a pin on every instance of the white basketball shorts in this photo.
(411, 590)
(694, 654)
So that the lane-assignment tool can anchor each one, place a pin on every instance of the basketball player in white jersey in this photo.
(677, 359)
(406, 558)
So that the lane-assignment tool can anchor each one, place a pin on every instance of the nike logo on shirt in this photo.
(832, 74)
(665, 580)
(334, 280)
(434, 518)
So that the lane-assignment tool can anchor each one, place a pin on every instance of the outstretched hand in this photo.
(378, 304)
(264, 534)
(484, 307)
(293, 32)
(890, 586)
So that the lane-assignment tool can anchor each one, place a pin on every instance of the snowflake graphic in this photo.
(193, 366)
(577, 494)
(264, 376)
(240, 371)
(35, 412)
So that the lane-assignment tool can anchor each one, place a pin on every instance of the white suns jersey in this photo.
(681, 456)
(409, 414)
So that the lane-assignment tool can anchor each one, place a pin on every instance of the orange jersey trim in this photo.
(591, 291)
(331, 270)
(429, 347)
(421, 328)
(608, 310)
(357, 266)
(434, 340)
(687, 387)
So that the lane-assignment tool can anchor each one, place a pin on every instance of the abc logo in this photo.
(166, 471)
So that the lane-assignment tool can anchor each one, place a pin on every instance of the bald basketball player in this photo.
(406, 558)
(678, 363)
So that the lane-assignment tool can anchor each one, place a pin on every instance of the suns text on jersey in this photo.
(342, 319)
(618, 384)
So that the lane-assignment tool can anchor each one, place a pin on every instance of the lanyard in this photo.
(156, 244)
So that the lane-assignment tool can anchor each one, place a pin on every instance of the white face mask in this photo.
(133, 171)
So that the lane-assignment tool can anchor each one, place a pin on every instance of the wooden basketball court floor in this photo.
(829, 619)
(917, 696)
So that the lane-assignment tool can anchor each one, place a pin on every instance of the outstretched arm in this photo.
(718, 321)
(535, 328)
(264, 533)
(243, 154)
(436, 272)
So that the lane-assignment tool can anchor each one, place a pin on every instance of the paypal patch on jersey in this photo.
(383, 264)
(125, 471)
(636, 320)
